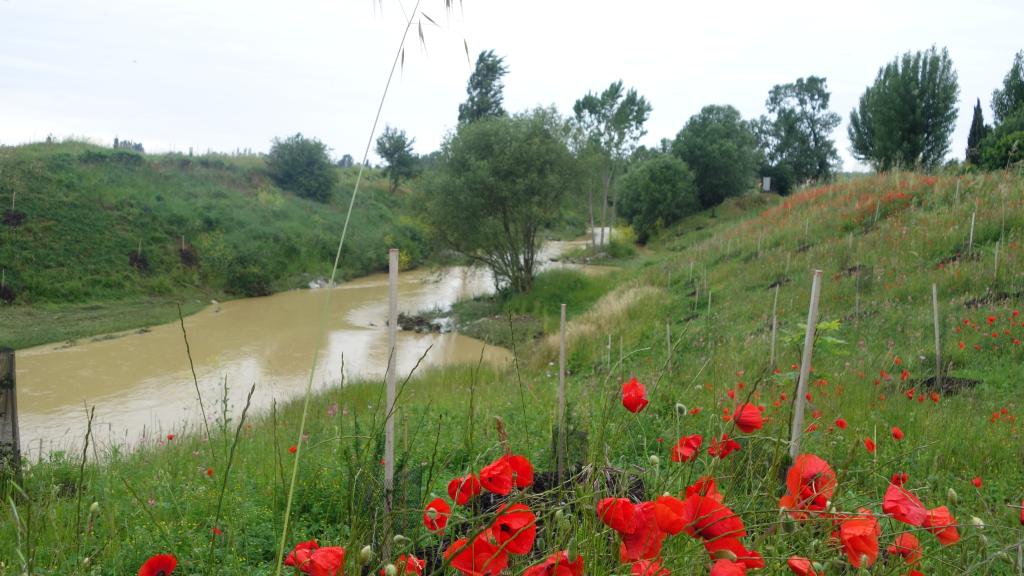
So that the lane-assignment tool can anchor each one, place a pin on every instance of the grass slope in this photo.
(882, 241)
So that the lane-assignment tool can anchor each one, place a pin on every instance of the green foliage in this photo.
(721, 150)
(499, 182)
(796, 138)
(396, 149)
(1009, 99)
(1003, 151)
(301, 165)
(907, 116)
(977, 134)
(657, 193)
(485, 89)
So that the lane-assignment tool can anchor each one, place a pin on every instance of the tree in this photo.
(607, 127)
(1004, 145)
(346, 161)
(1010, 98)
(301, 165)
(396, 149)
(484, 89)
(498, 183)
(977, 134)
(720, 148)
(657, 192)
(907, 116)
(797, 139)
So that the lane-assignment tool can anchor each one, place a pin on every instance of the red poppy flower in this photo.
(634, 395)
(515, 527)
(159, 565)
(707, 518)
(407, 566)
(908, 546)
(748, 418)
(869, 444)
(687, 448)
(724, 447)
(841, 424)
(293, 448)
(435, 516)
(648, 568)
(209, 472)
(522, 470)
(557, 564)
(704, 486)
(859, 538)
(326, 561)
(801, 566)
(645, 542)
(619, 514)
(897, 434)
(810, 483)
(477, 558)
(752, 559)
(904, 506)
(725, 567)
(976, 481)
(170, 437)
(463, 489)
(300, 555)
(497, 477)
(941, 523)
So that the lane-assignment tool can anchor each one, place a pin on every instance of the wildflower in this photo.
(724, 447)
(634, 396)
(706, 517)
(694, 411)
(505, 472)
(801, 566)
(687, 448)
(477, 558)
(209, 472)
(515, 527)
(217, 531)
(725, 567)
(159, 565)
(732, 549)
(810, 483)
(977, 482)
(293, 448)
(704, 486)
(841, 423)
(170, 437)
(869, 444)
(897, 434)
(645, 541)
(859, 538)
(648, 568)
(904, 506)
(907, 546)
(748, 418)
(941, 523)
(435, 516)
(463, 489)
(557, 564)
(619, 514)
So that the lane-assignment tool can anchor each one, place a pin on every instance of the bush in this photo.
(1006, 151)
(301, 165)
(721, 150)
(247, 277)
(657, 193)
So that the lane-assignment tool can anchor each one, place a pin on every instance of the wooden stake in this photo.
(956, 198)
(389, 426)
(856, 300)
(995, 266)
(938, 345)
(668, 345)
(139, 253)
(775, 329)
(970, 239)
(561, 400)
(10, 443)
(797, 429)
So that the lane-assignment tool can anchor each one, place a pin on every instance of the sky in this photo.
(224, 75)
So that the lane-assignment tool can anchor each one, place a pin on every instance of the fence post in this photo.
(389, 427)
(938, 344)
(797, 429)
(10, 444)
(561, 400)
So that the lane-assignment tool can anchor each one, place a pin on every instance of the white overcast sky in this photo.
(229, 74)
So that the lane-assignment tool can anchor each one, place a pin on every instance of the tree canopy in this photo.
(657, 192)
(1009, 99)
(977, 134)
(498, 183)
(485, 89)
(907, 116)
(796, 137)
(395, 148)
(720, 148)
(301, 165)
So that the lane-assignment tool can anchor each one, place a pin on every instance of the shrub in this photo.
(301, 165)
(657, 193)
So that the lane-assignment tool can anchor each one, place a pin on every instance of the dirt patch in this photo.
(950, 384)
(779, 281)
(189, 256)
(849, 272)
(7, 294)
(139, 261)
(14, 218)
(992, 298)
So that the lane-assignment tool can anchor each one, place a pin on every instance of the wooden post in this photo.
(668, 345)
(797, 429)
(970, 239)
(775, 328)
(956, 199)
(938, 345)
(10, 444)
(561, 400)
(995, 266)
(389, 427)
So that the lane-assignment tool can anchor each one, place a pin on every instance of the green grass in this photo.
(447, 417)
(91, 213)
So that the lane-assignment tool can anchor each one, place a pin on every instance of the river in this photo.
(142, 387)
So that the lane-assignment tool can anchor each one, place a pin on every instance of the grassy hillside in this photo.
(881, 242)
(93, 226)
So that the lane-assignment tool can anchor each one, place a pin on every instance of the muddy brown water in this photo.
(142, 386)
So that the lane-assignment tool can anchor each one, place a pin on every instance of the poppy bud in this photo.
(984, 541)
(390, 570)
(366, 554)
(724, 554)
(952, 497)
(654, 460)
(94, 508)
(86, 561)
(977, 523)
(572, 551)
(681, 409)
(400, 540)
